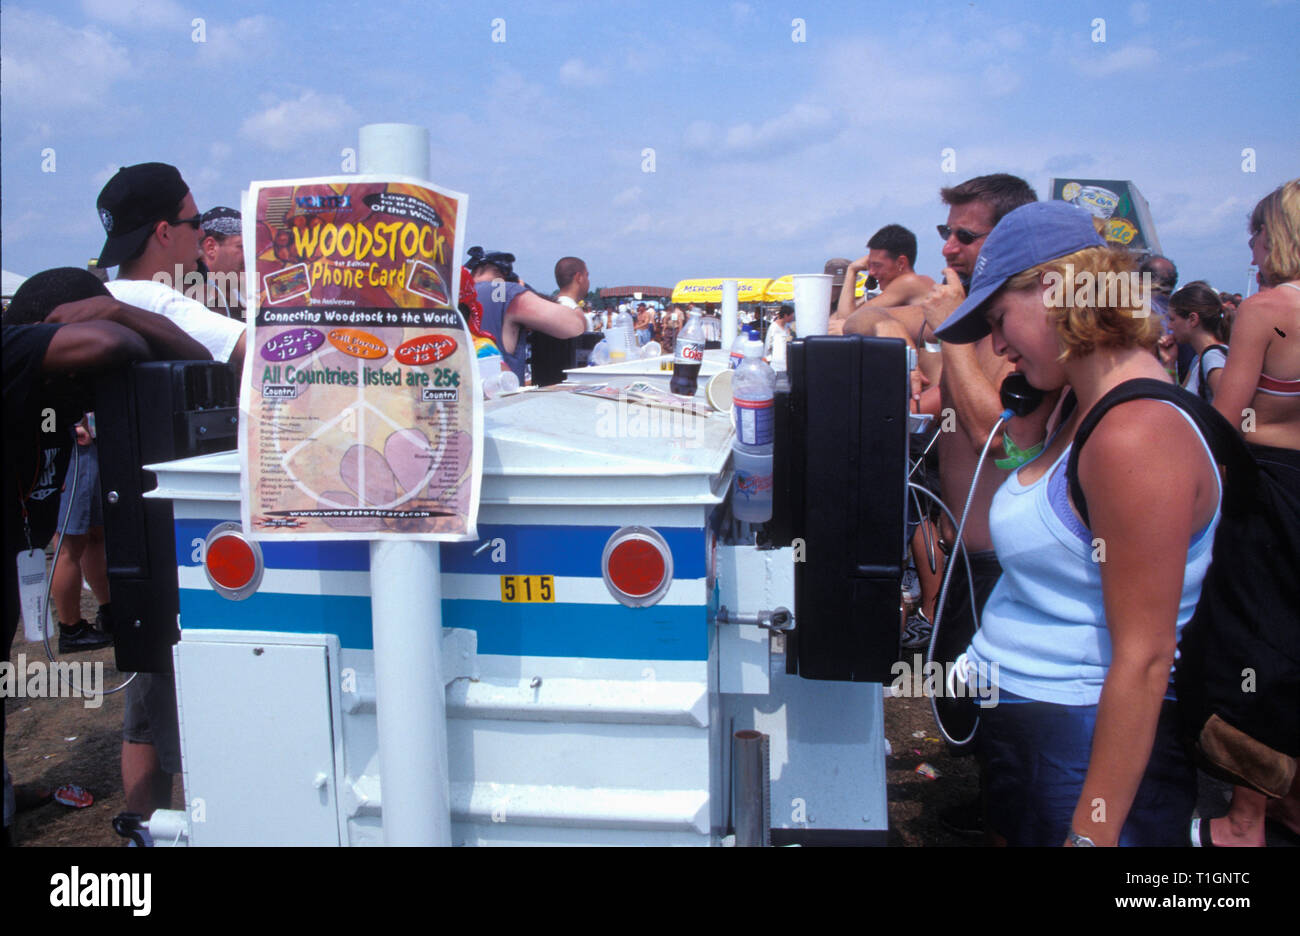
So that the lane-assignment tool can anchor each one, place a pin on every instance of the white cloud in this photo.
(286, 124)
(1105, 63)
(146, 14)
(793, 128)
(578, 74)
(627, 196)
(1001, 79)
(1140, 13)
(50, 66)
(244, 38)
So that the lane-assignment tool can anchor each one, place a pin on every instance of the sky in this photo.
(661, 140)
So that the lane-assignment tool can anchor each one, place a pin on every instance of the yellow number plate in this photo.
(525, 588)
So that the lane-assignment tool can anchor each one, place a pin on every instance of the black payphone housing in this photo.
(840, 496)
(149, 413)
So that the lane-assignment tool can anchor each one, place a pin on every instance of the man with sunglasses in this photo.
(971, 375)
(152, 227)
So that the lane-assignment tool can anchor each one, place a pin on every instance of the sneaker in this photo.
(912, 585)
(964, 818)
(81, 636)
(917, 633)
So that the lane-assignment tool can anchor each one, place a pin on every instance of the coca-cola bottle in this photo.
(688, 354)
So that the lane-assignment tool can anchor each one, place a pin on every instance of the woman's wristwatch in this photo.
(1080, 841)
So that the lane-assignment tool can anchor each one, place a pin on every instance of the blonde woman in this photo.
(1259, 393)
(1080, 633)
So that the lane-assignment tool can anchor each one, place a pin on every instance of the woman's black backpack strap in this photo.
(1225, 444)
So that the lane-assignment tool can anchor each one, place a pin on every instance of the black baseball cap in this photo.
(132, 202)
(222, 220)
(505, 262)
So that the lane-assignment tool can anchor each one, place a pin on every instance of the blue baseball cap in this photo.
(1024, 238)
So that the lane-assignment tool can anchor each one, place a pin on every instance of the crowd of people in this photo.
(1084, 649)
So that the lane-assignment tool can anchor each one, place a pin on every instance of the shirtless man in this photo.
(890, 258)
(891, 254)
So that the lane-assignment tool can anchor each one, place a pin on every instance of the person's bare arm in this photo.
(1142, 473)
(529, 310)
(1251, 333)
(903, 291)
(166, 340)
(93, 346)
(881, 325)
(848, 300)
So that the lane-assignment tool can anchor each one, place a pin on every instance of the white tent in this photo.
(11, 283)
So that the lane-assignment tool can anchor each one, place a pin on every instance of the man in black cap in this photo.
(222, 248)
(61, 327)
(153, 226)
(510, 308)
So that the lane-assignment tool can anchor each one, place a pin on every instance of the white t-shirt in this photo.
(1214, 359)
(214, 331)
(772, 331)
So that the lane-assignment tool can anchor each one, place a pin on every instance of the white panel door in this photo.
(257, 743)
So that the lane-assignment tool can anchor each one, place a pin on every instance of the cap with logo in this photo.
(132, 202)
(1026, 237)
(222, 220)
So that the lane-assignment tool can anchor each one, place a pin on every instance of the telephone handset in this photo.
(1019, 396)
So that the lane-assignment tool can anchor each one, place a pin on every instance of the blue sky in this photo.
(769, 155)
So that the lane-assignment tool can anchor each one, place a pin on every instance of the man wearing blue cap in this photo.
(1080, 632)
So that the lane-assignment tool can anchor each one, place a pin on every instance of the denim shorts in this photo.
(86, 509)
(1035, 757)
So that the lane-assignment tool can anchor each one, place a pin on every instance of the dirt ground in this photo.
(49, 742)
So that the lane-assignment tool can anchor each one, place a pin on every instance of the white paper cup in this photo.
(812, 303)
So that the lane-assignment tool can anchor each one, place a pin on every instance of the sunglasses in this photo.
(193, 222)
(963, 235)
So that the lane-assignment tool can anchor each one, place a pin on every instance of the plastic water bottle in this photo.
(621, 337)
(752, 390)
(738, 349)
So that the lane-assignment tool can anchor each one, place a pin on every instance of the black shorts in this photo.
(151, 717)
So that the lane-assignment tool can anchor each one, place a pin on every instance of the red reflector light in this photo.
(636, 568)
(231, 562)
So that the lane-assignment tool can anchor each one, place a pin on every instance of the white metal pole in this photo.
(406, 609)
(730, 313)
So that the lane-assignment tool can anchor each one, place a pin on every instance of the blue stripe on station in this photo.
(565, 630)
(347, 616)
(529, 550)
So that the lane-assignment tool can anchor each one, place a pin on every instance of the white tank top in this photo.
(1045, 625)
